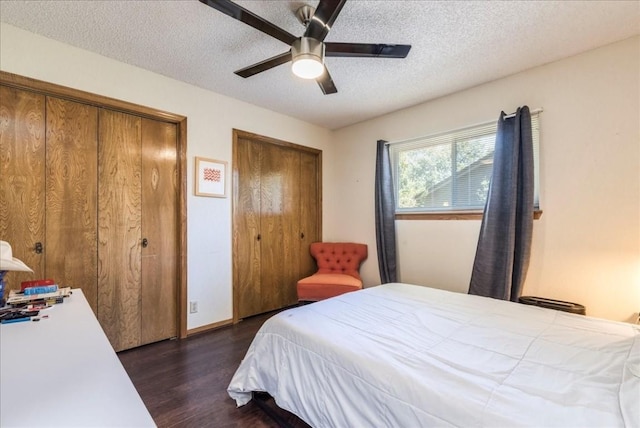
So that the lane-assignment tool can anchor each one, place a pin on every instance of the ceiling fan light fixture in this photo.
(307, 52)
(307, 57)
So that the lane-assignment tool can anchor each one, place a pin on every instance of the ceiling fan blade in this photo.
(322, 21)
(364, 50)
(241, 14)
(326, 83)
(264, 65)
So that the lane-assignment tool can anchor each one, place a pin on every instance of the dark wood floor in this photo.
(184, 383)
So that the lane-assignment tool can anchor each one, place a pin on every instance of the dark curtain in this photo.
(504, 245)
(385, 215)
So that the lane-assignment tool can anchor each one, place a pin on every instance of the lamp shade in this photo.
(8, 262)
(307, 56)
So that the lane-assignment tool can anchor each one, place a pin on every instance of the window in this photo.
(449, 172)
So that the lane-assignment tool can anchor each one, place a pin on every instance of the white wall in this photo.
(211, 118)
(586, 246)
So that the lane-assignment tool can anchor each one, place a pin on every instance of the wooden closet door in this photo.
(246, 230)
(310, 206)
(71, 254)
(160, 229)
(22, 186)
(276, 214)
(119, 227)
(279, 219)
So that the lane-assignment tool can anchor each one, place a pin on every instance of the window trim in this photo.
(451, 215)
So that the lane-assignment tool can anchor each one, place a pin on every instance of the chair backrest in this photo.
(339, 257)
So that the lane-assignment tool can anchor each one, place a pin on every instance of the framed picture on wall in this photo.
(211, 177)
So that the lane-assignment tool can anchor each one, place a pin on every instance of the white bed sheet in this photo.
(401, 355)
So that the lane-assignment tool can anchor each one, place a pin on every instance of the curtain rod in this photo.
(534, 111)
(510, 115)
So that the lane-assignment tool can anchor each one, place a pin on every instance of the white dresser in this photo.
(62, 372)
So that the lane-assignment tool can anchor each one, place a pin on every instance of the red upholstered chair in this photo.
(338, 265)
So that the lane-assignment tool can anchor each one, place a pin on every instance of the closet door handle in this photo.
(145, 243)
(38, 248)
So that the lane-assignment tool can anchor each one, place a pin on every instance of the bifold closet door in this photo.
(276, 215)
(279, 225)
(159, 231)
(71, 253)
(48, 191)
(119, 227)
(310, 206)
(137, 229)
(90, 197)
(22, 184)
(247, 260)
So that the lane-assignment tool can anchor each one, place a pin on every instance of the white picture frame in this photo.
(211, 177)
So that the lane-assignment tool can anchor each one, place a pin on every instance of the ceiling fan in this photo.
(307, 52)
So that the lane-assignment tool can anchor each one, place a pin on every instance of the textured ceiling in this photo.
(456, 45)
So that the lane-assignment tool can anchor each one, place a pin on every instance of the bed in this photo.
(401, 355)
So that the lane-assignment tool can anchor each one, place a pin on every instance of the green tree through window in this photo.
(448, 172)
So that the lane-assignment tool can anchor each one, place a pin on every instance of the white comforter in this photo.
(400, 355)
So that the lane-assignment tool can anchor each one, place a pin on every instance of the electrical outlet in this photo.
(193, 307)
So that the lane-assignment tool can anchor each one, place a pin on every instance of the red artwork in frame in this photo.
(210, 177)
